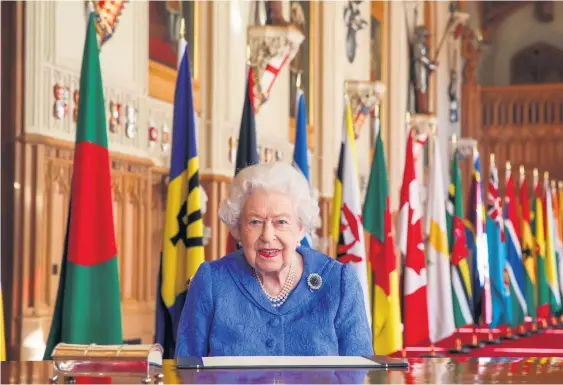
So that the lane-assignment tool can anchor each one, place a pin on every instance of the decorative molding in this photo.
(463, 146)
(364, 96)
(270, 48)
(423, 124)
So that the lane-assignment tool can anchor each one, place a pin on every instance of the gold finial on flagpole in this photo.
(560, 185)
(492, 158)
(182, 29)
(546, 175)
(454, 139)
(536, 172)
(298, 80)
(508, 166)
(522, 171)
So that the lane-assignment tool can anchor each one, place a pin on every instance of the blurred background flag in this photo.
(300, 159)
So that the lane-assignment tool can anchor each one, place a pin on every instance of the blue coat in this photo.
(226, 313)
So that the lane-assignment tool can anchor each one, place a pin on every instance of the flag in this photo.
(514, 265)
(386, 310)
(415, 305)
(560, 259)
(440, 301)
(478, 245)
(351, 247)
(461, 277)
(540, 249)
(527, 243)
(550, 261)
(558, 239)
(182, 243)
(300, 157)
(2, 332)
(88, 305)
(500, 289)
(247, 148)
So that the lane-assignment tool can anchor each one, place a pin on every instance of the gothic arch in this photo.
(538, 63)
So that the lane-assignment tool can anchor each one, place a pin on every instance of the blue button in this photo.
(270, 343)
(275, 322)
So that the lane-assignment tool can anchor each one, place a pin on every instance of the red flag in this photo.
(415, 307)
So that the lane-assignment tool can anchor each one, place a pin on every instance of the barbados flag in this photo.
(182, 245)
(300, 160)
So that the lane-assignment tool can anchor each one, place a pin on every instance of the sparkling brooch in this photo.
(314, 281)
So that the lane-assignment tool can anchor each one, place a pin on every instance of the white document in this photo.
(290, 361)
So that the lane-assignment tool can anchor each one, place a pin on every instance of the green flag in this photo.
(461, 279)
(386, 310)
(88, 307)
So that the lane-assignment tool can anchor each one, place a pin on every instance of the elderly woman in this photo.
(273, 297)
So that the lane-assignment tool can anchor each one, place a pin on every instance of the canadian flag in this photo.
(415, 303)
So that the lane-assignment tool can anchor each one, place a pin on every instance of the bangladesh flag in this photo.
(88, 308)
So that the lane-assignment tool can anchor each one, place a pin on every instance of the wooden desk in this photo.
(427, 370)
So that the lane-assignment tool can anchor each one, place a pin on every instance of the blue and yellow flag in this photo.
(182, 246)
(300, 159)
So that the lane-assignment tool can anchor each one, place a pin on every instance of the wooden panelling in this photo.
(216, 188)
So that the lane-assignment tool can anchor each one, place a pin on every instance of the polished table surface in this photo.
(421, 370)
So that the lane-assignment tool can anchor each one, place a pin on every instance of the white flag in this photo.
(439, 287)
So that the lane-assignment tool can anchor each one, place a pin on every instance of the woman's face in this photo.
(269, 230)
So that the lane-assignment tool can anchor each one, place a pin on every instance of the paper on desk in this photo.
(289, 361)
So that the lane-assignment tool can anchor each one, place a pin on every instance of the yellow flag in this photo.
(2, 332)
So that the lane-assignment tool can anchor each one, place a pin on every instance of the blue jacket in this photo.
(226, 313)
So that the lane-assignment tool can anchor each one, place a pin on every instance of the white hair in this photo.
(277, 177)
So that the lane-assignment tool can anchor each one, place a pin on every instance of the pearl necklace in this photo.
(278, 300)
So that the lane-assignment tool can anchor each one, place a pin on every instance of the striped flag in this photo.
(551, 252)
(351, 247)
(527, 243)
(386, 319)
(500, 289)
(461, 276)
(300, 157)
(415, 305)
(441, 321)
(540, 249)
(478, 245)
(514, 265)
(182, 245)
